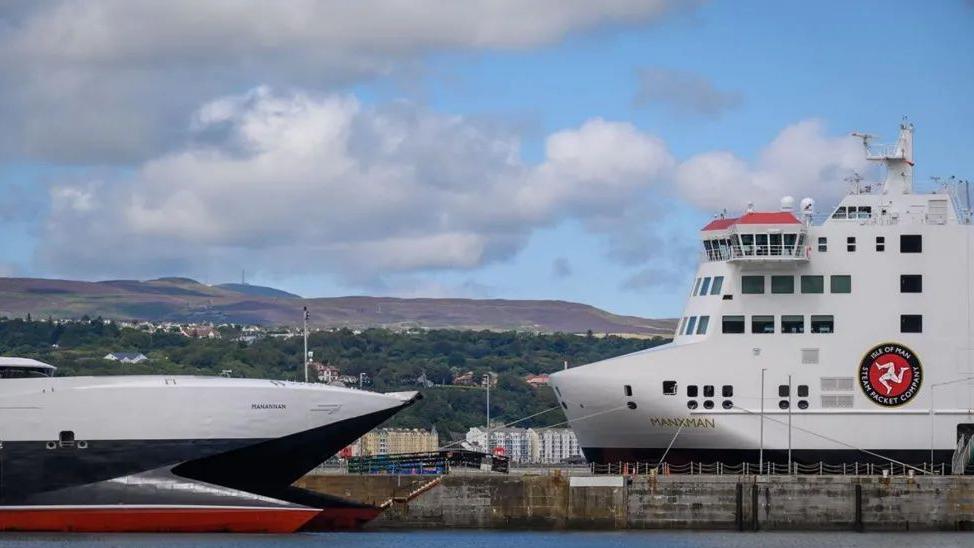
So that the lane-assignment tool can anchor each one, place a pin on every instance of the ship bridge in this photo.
(776, 236)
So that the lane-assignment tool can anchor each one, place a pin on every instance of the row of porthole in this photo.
(80, 445)
(802, 404)
(709, 404)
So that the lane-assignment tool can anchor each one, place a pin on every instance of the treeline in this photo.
(391, 360)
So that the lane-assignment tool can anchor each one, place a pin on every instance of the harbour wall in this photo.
(742, 503)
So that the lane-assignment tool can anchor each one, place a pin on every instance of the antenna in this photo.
(866, 137)
(854, 181)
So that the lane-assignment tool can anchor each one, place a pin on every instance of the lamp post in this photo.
(932, 386)
(789, 425)
(306, 344)
(761, 450)
(487, 385)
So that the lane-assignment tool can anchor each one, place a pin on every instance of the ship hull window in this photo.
(762, 324)
(782, 284)
(793, 324)
(911, 323)
(813, 284)
(696, 287)
(732, 324)
(628, 390)
(783, 390)
(727, 391)
(850, 243)
(840, 283)
(911, 283)
(911, 243)
(692, 391)
(880, 243)
(705, 286)
(823, 244)
(802, 390)
(823, 324)
(752, 285)
(691, 324)
(669, 388)
(708, 391)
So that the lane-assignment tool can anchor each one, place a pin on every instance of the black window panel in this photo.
(822, 324)
(727, 391)
(911, 323)
(782, 390)
(669, 388)
(792, 324)
(880, 243)
(911, 283)
(692, 391)
(911, 243)
(628, 390)
(66, 436)
(762, 324)
(850, 243)
(708, 391)
(823, 244)
(732, 324)
(802, 390)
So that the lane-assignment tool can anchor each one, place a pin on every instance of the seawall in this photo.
(660, 502)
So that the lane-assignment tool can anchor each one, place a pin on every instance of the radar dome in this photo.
(808, 206)
(787, 203)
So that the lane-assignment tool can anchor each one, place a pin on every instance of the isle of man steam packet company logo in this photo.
(890, 374)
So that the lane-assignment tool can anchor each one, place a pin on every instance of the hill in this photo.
(186, 300)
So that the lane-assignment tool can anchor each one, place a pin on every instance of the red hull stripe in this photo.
(163, 519)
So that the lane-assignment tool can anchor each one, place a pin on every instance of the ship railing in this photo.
(770, 468)
(756, 252)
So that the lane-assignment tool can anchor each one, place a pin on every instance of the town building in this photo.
(391, 441)
(536, 380)
(527, 445)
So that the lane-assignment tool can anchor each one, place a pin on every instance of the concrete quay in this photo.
(744, 503)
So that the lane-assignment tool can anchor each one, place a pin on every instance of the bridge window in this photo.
(683, 324)
(850, 243)
(692, 391)
(762, 324)
(840, 283)
(823, 324)
(840, 213)
(691, 323)
(813, 284)
(696, 288)
(880, 243)
(717, 286)
(911, 323)
(705, 286)
(793, 324)
(823, 244)
(732, 324)
(911, 283)
(752, 285)
(911, 243)
(702, 325)
(669, 388)
(782, 284)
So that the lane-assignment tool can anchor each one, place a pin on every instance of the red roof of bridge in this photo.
(754, 218)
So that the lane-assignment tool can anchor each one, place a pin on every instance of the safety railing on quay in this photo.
(769, 468)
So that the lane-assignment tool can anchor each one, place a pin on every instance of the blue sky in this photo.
(96, 182)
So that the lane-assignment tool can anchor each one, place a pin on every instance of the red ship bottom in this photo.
(175, 519)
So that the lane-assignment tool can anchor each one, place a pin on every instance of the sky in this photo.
(530, 149)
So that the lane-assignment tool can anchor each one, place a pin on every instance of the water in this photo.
(498, 539)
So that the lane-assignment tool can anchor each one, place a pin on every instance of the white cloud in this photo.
(801, 161)
(304, 182)
(685, 92)
(82, 79)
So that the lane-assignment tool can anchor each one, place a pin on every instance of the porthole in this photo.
(783, 404)
(82, 445)
(631, 405)
(709, 404)
(51, 445)
(802, 404)
(692, 404)
(727, 404)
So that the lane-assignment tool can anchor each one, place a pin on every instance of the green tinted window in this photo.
(840, 284)
(813, 284)
(752, 285)
(782, 284)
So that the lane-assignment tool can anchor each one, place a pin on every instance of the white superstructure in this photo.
(860, 327)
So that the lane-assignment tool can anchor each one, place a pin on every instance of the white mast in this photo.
(897, 158)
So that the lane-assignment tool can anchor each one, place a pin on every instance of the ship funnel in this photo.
(787, 203)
